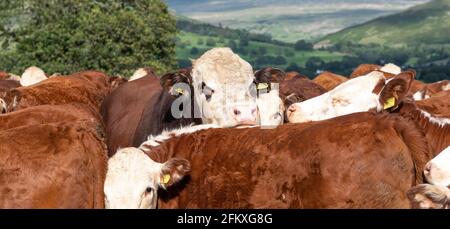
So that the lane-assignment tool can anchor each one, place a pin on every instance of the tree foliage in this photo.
(116, 36)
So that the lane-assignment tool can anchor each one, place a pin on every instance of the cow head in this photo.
(32, 75)
(222, 84)
(426, 196)
(437, 171)
(133, 179)
(371, 91)
(270, 107)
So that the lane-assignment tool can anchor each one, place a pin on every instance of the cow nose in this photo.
(245, 115)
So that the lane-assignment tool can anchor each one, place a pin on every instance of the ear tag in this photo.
(389, 103)
(166, 178)
(262, 86)
(179, 90)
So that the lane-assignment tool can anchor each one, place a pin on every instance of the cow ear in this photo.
(174, 171)
(426, 196)
(396, 89)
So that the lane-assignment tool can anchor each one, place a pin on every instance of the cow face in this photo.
(271, 108)
(222, 83)
(133, 179)
(360, 94)
(426, 196)
(437, 171)
(352, 96)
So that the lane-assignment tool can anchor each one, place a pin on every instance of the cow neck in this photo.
(436, 130)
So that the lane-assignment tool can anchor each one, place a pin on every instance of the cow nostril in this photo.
(236, 112)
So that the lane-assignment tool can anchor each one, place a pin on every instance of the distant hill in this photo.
(289, 20)
(427, 23)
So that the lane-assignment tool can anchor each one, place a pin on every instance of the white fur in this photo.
(419, 95)
(130, 173)
(154, 141)
(14, 77)
(271, 108)
(438, 121)
(439, 173)
(352, 96)
(391, 68)
(138, 74)
(230, 78)
(446, 87)
(32, 75)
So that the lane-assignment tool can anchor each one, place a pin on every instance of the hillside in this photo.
(289, 20)
(428, 24)
(195, 37)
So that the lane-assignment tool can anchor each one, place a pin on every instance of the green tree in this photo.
(210, 42)
(194, 50)
(200, 41)
(65, 36)
(303, 45)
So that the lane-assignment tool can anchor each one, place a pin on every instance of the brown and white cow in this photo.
(292, 166)
(57, 165)
(222, 83)
(436, 194)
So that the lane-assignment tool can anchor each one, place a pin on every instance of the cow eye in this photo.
(207, 91)
(149, 190)
(277, 115)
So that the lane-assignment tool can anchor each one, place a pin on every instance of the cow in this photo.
(423, 91)
(141, 72)
(294, 74)
(389, 70)
(290, 91)
(49, 114)
(32, 75)
(438, 104)
(329, 80)
(88, 87)
(54, 165)
(6, 85)
(358, 94)
(265, 168)
(142, 107)
(222, 83)
(436, 194)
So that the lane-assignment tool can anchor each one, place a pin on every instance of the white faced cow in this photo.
(437, 171)
(222, 83)
(32, 75)
(355, 95)
(145, 191)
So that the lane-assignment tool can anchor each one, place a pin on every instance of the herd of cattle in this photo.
(220, 135)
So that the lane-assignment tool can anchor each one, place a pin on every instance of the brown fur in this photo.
(59, 165)
(329, 80)
(344, 162)
(48, 114)
(293, 75)
(89, 87)
(438, 104)
(364, 69)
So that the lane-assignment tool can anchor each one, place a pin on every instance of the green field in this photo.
(428, 23)
(187, 40)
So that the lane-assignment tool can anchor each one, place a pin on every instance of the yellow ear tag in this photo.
(166, 179)
(179, 90)
(262, 86)
(389, 103)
